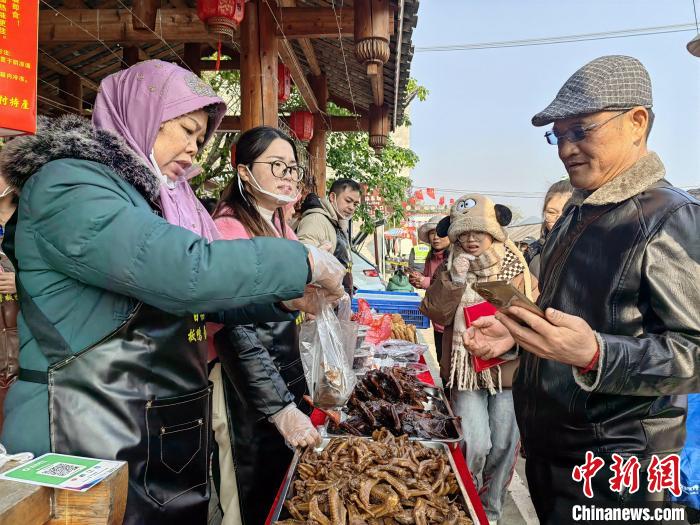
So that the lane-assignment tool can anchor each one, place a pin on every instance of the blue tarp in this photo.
(690, 457)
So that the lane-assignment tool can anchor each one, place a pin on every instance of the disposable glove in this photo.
(296, 427)
(309, 302)
(326, 271)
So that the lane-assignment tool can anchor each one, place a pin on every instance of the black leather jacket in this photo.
(627, 260)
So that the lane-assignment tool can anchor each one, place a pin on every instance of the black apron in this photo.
(139, 395)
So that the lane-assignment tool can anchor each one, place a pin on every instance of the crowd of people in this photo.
(165, 322)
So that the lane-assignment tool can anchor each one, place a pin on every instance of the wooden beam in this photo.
(296, 70)
(314, 22)
(317, 145)
(375, 73)
(308, 49)
(348, 124)
(259, 49)
(145, 13)
(176, 26)
(192, 58)
(54, 65)
(229, 124)
(305, 43)
(346, 104)
(130, 55)
(232, 64)
(72, 89)
(232, 123)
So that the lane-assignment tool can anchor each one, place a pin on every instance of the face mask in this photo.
(282, 200)
(340, 215)
(162, 178)
(7, 191)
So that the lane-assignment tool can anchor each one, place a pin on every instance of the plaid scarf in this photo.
(499, 263)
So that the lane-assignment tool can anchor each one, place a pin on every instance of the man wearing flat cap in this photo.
(607, 370)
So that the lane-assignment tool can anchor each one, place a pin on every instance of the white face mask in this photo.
(7, 191)
(340, 215)
(281, 200)
(163, 179)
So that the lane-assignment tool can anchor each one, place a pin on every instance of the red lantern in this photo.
(442, 201)
(430, 192)
(222, 17)
(412, 201)
(302, 125)
(284, 82)
(419, 195)
(452, 201)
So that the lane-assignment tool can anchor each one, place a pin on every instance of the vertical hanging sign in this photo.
(19, 21)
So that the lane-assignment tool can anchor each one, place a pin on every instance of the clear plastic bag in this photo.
(327, 346)
(400, 351)
(345, 308)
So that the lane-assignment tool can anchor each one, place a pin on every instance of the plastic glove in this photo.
(296, 427)
(460, 266)
(326, 271)
(21, 457)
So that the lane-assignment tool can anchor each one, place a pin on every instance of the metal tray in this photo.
(436, 397)
(288, 486)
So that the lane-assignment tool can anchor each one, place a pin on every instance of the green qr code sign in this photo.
(52, 469)
(62, 471)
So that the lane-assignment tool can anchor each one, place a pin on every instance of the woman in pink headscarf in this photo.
(114, 361)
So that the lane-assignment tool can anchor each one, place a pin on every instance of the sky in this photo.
(473, 132)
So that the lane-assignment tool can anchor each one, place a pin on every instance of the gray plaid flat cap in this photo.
(604, 84)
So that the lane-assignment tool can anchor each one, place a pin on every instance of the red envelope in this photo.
(471, 314)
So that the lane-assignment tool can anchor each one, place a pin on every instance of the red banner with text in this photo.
(19, 21)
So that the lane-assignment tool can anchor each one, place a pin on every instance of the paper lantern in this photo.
(222, 17)
(284, 83)
(302, 125)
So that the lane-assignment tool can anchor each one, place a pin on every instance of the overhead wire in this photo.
(345, 62)
(82, 100)
(585, 37)
(96, 38)
(181, 59)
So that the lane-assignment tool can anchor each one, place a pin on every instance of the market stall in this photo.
(392, 448)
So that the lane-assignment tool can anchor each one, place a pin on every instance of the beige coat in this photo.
(316, 225)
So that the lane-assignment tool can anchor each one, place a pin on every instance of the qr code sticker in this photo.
(60, 470)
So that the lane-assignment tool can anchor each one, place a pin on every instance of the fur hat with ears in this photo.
(475, 212)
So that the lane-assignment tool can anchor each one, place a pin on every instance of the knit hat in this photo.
(475, 212)
(429, 226)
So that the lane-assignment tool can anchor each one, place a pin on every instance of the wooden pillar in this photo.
(145, 13)
(258, 67)
(193, 57)
(130, 55)
(378, 127)
(372, 30)
(72, 90)
(317, 145)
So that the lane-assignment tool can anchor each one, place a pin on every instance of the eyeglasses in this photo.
(281, 170)
(577, 133)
